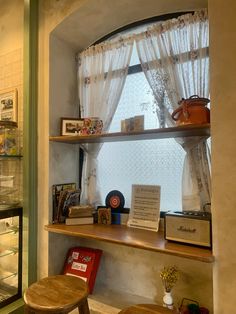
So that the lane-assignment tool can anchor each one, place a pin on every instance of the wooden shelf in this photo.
(173, 132)
(138, 238)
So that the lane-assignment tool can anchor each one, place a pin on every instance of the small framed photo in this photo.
(104, 215)
(8, 105)
(71, 126)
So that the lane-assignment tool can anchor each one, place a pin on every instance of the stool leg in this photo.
(27, 310)
(83, 308)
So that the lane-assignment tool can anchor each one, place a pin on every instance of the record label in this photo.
(115, 199)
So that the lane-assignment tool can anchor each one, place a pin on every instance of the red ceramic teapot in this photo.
(192, 110)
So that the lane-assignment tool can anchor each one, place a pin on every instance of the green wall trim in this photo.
(30, 138)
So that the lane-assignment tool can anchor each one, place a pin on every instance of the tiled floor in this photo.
(105, 301)
(99, 308)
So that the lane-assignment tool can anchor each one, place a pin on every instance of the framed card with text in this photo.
(145, 207)
(8, 105)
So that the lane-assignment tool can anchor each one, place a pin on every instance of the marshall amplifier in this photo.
(189, 227)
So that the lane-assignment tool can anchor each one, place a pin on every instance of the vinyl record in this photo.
(115, 199)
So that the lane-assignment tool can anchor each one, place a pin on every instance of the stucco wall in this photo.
(223, 99)
(196, 282)
(11, 25)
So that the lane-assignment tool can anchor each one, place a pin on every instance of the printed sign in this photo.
(145, 207)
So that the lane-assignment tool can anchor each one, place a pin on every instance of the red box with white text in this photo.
(83, 262)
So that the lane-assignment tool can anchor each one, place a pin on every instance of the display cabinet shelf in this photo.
(10, 255)
(173, 132)
(9, 231)
(8, 276)
(11, 156)
(8, 252)
(133, 237)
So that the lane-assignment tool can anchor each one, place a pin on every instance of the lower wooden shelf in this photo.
(138, 238)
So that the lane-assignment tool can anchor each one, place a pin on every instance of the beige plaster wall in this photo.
(223, 99)
(197, 282)
(11, 25)
(11, 50)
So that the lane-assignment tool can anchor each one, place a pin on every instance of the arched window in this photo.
(169, 61)
(155, 162)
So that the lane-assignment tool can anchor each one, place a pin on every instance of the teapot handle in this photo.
(184, 109)
(173, 115)
(194, 96)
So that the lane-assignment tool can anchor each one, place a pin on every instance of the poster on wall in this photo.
(8, 105)
(145, 207)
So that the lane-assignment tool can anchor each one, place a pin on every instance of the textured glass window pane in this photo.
(158, 162)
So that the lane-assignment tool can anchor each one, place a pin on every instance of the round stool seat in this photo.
(57, 294)
(146, 309)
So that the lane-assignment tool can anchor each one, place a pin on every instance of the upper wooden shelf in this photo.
(173, 132)
(138, 238)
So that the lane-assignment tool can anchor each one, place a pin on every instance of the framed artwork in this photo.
(104, 215)
(71, 126)
(8, 105)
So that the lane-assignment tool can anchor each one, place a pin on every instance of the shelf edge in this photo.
(197, 257)
(172, 132)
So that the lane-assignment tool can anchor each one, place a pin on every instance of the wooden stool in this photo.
(147, 309)
(57, 294)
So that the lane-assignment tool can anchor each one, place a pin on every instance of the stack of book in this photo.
(80, 215)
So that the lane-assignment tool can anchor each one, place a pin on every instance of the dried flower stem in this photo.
(169, 276)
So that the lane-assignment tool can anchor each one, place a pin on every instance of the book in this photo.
(56, 190)
(79, 221)
(67, 198)
(80, 211)
(73, 198)
(83, 262)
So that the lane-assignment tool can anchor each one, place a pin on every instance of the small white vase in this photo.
(168, 300)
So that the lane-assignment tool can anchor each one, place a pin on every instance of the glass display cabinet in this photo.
(10, 254)
(10, 210)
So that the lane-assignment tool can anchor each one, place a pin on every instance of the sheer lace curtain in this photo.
(174, 58)
(102, 73)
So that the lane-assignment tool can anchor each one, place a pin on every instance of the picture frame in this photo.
(71, 126)
(104, 215)
(9, 105)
